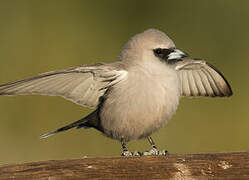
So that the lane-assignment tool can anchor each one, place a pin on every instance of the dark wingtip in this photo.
(229, 91)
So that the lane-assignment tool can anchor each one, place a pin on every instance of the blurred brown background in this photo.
(43, 35)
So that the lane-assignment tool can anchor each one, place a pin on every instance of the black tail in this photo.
(79, 123)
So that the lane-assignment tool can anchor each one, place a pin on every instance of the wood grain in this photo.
(234, 166)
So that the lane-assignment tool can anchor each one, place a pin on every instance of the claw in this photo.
(129, 154)
(155, 152)
(136, 153)
(163, 153)
(126, 154)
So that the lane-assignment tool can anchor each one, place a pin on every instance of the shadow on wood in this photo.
(233, 165)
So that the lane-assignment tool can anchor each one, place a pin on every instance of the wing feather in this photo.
(83, 85)
(192, 84)
(185, 84)
(198, 82)
(199, 78)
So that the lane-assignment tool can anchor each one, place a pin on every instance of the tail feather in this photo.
(48, 134)
(78, 123)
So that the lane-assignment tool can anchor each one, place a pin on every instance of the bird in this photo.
(134, 96)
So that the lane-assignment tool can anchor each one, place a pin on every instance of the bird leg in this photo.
(154, 151)
(126, 152)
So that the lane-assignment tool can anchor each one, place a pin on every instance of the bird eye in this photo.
(158, 51)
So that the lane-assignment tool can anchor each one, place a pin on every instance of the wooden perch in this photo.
(233, 165)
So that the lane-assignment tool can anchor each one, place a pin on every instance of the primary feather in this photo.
(198, 78)
(83, 85)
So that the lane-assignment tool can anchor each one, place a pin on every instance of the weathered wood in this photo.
(189, 166)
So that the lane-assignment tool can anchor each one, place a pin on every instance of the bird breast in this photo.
(140, 104)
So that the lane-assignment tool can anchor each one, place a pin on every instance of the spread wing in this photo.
(83, 85)
(198, 78)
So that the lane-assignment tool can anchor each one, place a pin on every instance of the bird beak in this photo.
(177, 54)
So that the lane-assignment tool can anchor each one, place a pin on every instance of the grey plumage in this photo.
(69, 83)
(134, 96)
(198, 78)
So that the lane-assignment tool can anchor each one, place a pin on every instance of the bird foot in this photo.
(129, 154)
(155, 152)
